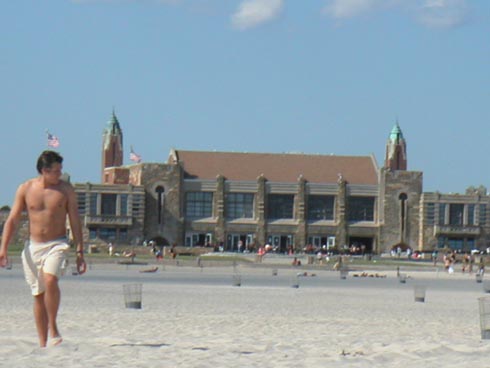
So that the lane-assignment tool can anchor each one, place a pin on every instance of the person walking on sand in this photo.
(48, 201)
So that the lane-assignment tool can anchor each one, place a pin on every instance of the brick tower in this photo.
(112, 145)
(400, 192)
(396, 150)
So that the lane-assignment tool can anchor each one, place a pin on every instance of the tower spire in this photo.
(396, 150)
(112, 144)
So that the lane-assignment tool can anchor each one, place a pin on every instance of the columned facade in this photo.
(292, 202)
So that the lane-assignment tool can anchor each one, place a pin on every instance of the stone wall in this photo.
(300, 214)
(261, 199)
(431, 228)
(341, 209)
(396, 186)
(170, 224)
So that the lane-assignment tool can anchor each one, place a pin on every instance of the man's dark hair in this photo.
(47, 159)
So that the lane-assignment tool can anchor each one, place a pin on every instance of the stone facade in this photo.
(400, 210)
(111, 213)
(454, 221)
(292, 201)
(163, 185)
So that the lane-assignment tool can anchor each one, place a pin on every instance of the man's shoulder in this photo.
(66, 185)
(30, 181)
(66, 188)
(27, 184)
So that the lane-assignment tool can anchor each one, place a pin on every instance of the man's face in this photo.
(53, 174)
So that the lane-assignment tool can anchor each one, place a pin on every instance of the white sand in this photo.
(194, 318)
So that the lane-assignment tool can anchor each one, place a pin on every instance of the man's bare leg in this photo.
(41, 317)
(52, 303)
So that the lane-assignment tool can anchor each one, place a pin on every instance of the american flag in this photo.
(53, 140)
(133, 156)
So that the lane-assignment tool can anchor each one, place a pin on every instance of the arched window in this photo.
(160, 202)
(403, 214)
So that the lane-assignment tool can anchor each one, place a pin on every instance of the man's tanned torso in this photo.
(47, 209)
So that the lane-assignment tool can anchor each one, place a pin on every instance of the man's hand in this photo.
(4, 261)
(81, 265)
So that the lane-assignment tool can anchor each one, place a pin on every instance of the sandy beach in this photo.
(196, 317)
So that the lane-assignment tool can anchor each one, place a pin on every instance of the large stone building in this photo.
(286, 200)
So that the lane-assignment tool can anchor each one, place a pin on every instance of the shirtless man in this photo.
(48, 201)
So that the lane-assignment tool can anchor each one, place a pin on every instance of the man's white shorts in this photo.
(40, 258)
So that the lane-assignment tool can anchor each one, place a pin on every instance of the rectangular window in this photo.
(92, 233)
(107, 233)
(456, 214)
(361, 208)
(93, 204)
(320, 207)
(123, 234)
(280, 206)
(108, 204)
(483, 215)
(430, 214)
(471, 214)
(137, 208)
(199, 204)
(442, 213)
(124, 204)
(456, 243)
(239, 205)
(81, 203)
(441, 242)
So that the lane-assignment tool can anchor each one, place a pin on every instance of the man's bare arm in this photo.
(76, 227)
(12, 222)
(74, 218)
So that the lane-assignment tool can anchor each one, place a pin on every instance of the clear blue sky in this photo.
(313, 76)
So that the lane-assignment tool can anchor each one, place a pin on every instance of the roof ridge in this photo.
(272, 153)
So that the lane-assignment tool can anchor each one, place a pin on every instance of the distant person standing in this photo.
(481, 266)
(48, 201)
(434, 257)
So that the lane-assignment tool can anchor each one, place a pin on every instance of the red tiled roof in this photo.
(283, 167)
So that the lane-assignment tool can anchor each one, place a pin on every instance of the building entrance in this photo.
(281, 243)
(360, 245)
(239, 242)
(198, 239)
(322, 242)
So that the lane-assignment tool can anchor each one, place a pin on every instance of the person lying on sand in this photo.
(153, 269)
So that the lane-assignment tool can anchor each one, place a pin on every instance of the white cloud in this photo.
(251, 13)
(340, 9)
(431, 13)
(443, 13)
